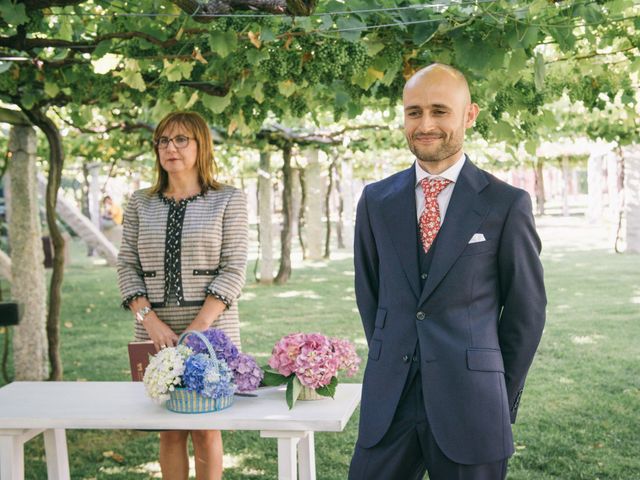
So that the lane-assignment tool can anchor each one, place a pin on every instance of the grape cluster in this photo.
(233, 24)
(281, 65)
(238, 61)
(358, 58)
(526, 127)
(329, 60)
(502, 101)
(523, 95)
(298, 106)
(101, 87)
(393, 91)
(132, 50)
(165, 89)
(8, 85)
(253, 111)
(529, 96)
(338, 112)
(332, 60)
(482, 127)
(35, 22)
(390, 57)
(313, 61)
(588, 89)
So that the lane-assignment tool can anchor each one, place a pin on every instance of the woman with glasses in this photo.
(182, 263)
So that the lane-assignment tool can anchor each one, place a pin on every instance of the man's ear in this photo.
(471, 114)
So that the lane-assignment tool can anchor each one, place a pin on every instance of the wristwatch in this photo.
(142, 313)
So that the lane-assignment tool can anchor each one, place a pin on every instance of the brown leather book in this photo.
(139, 358)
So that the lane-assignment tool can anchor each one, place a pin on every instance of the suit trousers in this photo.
(408, 450)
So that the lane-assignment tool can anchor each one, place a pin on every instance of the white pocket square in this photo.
(478, 237)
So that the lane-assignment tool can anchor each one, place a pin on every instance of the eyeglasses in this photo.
(179, 141)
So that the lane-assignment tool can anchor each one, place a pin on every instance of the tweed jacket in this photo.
(214, 244)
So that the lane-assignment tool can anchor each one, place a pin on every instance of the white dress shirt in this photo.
(444, 197)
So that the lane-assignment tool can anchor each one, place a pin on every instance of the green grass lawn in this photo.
(579, 417)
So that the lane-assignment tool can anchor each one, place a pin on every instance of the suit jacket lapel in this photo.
(464, 215)
(399, 214)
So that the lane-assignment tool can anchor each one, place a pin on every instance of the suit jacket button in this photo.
(420, 315)
(405, 358)
(424, 276)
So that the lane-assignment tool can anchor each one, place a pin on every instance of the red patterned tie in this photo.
(430, 217)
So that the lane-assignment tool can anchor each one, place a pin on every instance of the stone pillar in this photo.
(94, 193)
(613, 189)
(594, 188)
(296, 201)
(30, 348)
(348, 209)
(632, 197)
(315, 234)
(265, 218)
(566, 185)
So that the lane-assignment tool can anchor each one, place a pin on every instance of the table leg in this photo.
(287, 454)
(287, 464)
(307, 457)
(11, 458)
(55, 447)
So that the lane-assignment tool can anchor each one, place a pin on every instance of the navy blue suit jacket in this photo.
(478, 320)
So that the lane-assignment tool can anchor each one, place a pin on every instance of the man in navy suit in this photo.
(450, 290)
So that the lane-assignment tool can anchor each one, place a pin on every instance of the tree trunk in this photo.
(327, 209)
(28, 288)
(56, 161)
(339, 222)
(539, 187)
(301, 211)
(632, 197)
(314, 206)
(265, 211)
(5, 263)
(284, 272)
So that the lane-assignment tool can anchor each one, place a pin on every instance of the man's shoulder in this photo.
(500, 192)
(500, 185)
(389, 183)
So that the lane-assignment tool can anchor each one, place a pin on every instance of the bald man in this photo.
(450, 290)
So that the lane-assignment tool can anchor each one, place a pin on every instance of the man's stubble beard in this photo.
(445, 150)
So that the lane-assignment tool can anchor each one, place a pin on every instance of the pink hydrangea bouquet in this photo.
(310, 362)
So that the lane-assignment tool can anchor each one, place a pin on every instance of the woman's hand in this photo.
(159, 332)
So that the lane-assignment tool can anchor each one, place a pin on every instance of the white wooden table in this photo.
(30, 408)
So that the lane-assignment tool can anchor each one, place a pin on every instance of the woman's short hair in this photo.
(205, 163)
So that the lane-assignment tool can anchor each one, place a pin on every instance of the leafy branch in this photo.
(593, 55)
